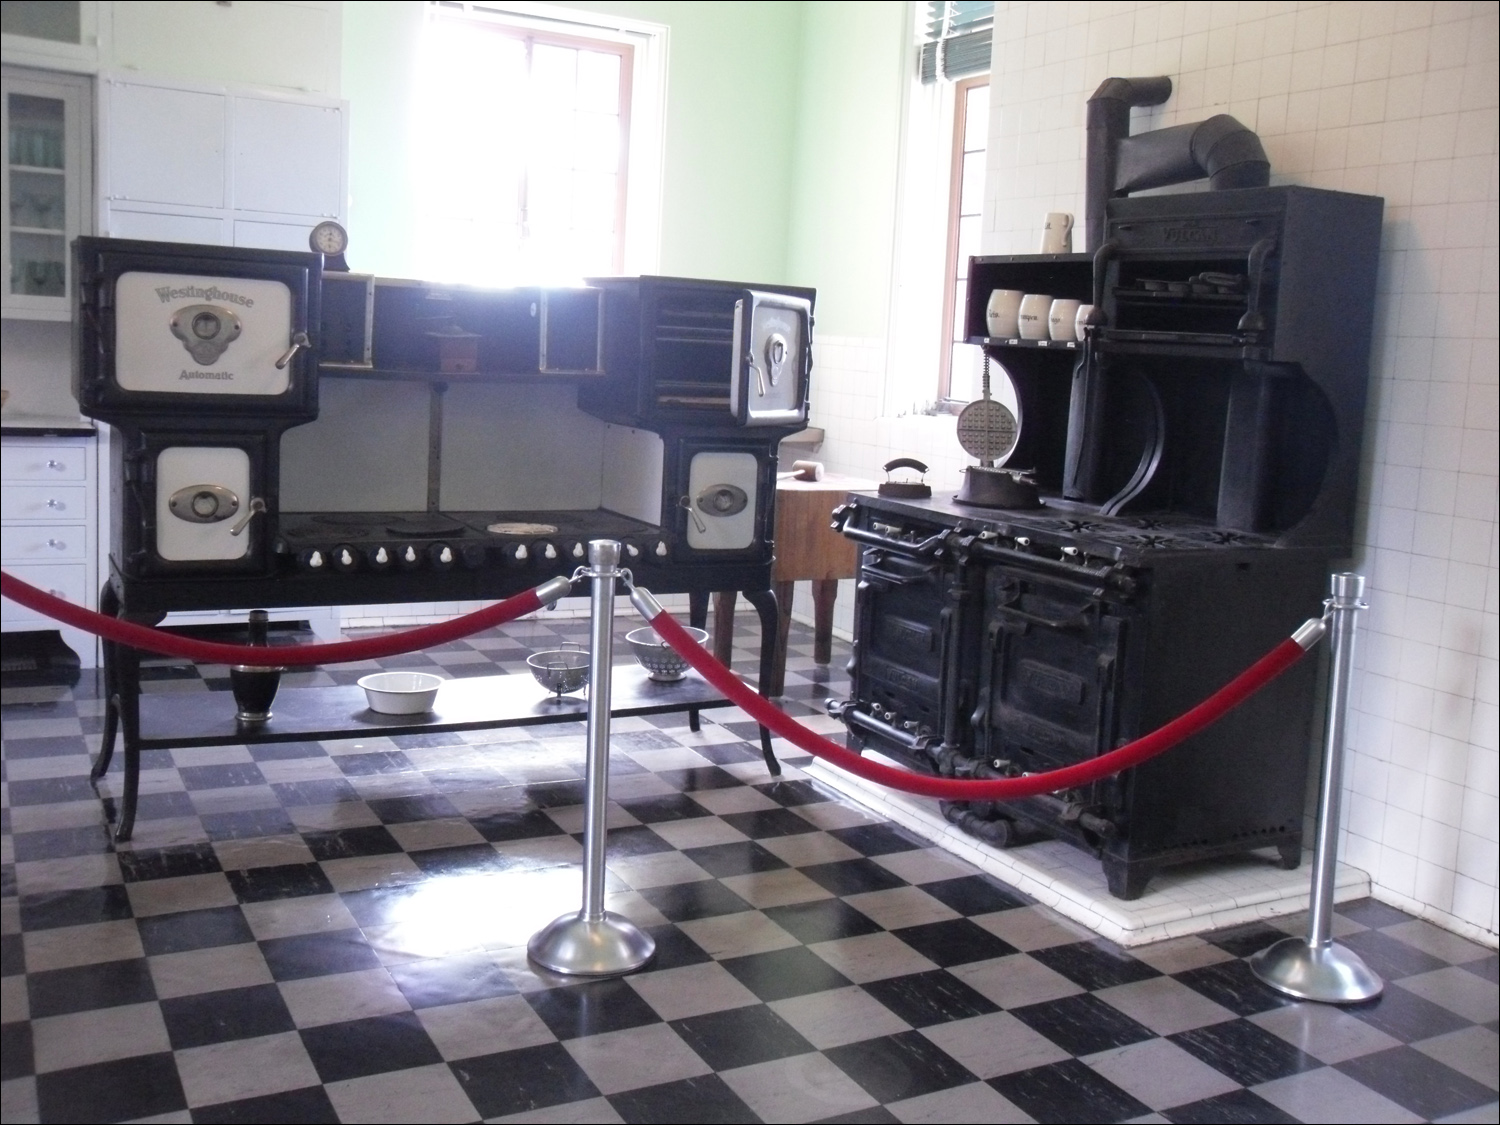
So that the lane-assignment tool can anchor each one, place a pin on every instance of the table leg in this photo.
(697, 618)
(825, 592)
(764, 602)
(724, 626)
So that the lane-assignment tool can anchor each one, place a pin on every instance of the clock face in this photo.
(329, 238)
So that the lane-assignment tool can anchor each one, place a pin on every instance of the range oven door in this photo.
(772, 359)
(1050, 676)
(194, 505)
(723, 497)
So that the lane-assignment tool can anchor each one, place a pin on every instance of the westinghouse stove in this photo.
(290, 437)
(1191, 466)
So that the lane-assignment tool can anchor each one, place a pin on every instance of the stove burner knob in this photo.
(660, 550)
(516, 554)
(632, 550)
(473, 555)
(312, 559)
(1023, 542)
(345, 559)
(441, 555)
(378, 558)
(408, 557)
(577, 551)
(1070, 552)
(545, 551)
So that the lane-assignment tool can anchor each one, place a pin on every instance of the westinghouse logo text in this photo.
(202, 293)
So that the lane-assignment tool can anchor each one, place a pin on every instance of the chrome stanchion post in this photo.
(1317, 967)
(595, 941)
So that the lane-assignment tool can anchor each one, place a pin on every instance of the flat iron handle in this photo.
(905, 463)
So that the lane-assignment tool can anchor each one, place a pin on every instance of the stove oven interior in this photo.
(290, 437)
(1197, 460)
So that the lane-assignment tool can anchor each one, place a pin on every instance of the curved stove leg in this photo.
(109, 603)
(764, 602)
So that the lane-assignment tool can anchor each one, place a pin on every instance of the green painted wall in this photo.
(842, 236)
(730, 138)
(780, 154)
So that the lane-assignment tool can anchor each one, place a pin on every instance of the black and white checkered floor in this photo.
(336, 932)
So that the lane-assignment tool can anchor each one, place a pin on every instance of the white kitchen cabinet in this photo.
(49, 529)
(187, 162)
(47, 127)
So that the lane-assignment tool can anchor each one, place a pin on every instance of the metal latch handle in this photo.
(257, 506)
(299, 341)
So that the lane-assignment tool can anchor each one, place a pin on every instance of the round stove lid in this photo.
(521, 527)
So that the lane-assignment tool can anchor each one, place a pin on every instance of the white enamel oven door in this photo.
(772, 359)
(195, 332)
(722, 501)
(194, 504)
(203, 503)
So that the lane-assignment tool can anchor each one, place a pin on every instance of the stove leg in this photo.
(784, 592)
(109, 603)
(1127, 880)
(1289, 855)
(765, 605)
(128, 684)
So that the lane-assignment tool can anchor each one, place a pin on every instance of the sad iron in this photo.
(905, 489)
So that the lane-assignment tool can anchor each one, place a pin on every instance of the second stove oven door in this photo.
(203, 503)
(1051, 664)
(722, 500)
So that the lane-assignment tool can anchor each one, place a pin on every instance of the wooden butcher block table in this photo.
(807, 549)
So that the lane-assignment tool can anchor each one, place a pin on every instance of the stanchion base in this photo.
(574, 945)
(1330, 974)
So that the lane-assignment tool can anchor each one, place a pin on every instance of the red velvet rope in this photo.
(212, 652)
(1246, 684)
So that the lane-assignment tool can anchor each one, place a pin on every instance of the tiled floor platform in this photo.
(336, 931)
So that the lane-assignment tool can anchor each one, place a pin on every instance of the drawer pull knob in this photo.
(56, 505)
(57, 544)
(54, 463)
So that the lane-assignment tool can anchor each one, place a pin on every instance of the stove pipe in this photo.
(1220, 148)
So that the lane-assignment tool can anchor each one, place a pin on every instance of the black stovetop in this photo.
(1061, 523)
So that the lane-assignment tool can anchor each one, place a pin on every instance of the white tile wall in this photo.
(1392, 99)
(1400, 100)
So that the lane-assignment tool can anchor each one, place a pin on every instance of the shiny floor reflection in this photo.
(336, 932)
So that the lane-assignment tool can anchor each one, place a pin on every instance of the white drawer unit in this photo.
(43, 544)
(49, 529)
(27, 459)
(60, 503)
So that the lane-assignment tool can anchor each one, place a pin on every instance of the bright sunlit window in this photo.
(527, 143)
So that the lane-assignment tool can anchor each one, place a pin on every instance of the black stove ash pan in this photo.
(1220, 149)
(173, 334)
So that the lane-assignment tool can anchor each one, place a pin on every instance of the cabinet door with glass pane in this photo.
(47, 151)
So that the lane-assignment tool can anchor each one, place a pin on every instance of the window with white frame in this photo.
(539, 134)
(943, 160)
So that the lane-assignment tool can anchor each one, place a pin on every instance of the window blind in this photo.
(956, 38)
